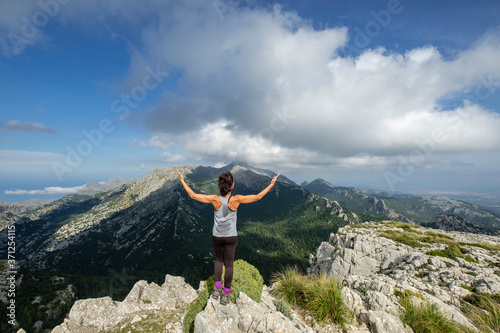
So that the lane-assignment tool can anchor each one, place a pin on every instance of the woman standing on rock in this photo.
(224, 235)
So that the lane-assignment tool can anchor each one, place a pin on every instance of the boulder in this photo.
(383, 322)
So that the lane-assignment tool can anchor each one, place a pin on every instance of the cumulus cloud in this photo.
(264, 86)
(46, 191)
(169, 157)
(19, 126)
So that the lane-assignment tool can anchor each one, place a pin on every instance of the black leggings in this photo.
(224, 253)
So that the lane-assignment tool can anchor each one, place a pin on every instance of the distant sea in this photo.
(41, 184)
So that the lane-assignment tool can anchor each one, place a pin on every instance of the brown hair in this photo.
(225, 183)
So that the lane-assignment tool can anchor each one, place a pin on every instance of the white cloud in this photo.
(46, 191)
(19, 126)
(269, 73)
(263, 85)
(169, 157)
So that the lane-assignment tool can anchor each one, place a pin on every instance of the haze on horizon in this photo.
(394, 95)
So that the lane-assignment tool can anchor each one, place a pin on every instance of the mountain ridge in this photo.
(111, 230)
(410, 208)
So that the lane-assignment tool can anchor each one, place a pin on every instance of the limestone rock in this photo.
(98, 314)
(245, 316)
(383, 322)
(217, 318)
(372, 267)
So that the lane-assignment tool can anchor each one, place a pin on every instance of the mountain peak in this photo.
(319, 185)
(93, 188)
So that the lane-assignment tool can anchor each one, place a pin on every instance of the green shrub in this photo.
(362, 289)
(469, 288)
(439, 253)
(246, 278)
(198, 305)
(283, 307)
(451, 251)
(470, 259)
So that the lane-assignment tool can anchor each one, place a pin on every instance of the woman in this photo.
(224, 235)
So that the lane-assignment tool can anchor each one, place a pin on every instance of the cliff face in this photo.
(374, 262)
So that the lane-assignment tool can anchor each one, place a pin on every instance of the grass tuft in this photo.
(407, 238)
(426, 318)
(484, 311)
(407, 294)
(486, 246)
(291, 286)
(320, 296)
(453, 251)
(323, 297)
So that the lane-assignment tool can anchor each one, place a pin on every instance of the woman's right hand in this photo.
(180, 174)
(274, 179)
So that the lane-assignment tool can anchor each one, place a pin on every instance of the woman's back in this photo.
(224, 219)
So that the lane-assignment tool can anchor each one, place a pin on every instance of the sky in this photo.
(397, 95)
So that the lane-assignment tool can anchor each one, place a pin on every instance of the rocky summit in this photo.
(377, 262)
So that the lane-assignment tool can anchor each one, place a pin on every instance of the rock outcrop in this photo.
(374, 268)
(247, 316)
(144, 303)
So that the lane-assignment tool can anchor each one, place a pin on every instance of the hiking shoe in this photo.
(216, 293)
(225, 299)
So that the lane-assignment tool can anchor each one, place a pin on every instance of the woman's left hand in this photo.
(274, 179)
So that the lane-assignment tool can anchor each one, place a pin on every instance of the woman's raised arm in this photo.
(213, 199)
(244, 199)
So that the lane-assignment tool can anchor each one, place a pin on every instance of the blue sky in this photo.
(397, 95)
